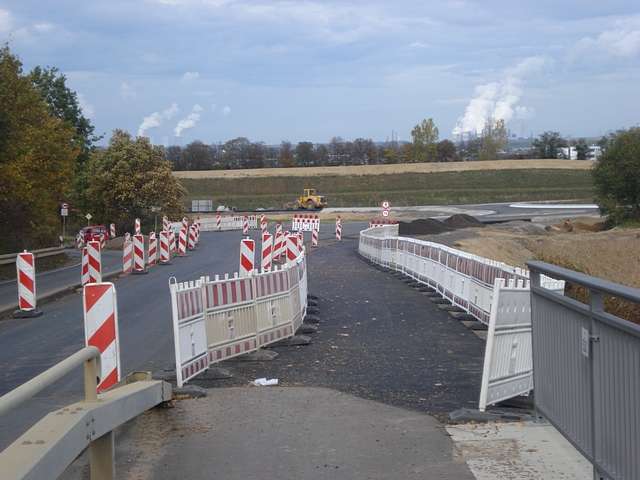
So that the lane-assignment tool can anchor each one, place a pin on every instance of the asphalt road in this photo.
(30, 346)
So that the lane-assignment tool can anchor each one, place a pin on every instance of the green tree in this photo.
(304, 154)
(424, 135)
(285, 157)
(617, 177)
(582, 149)
(446, 151)
(128, 178)
(492, 140)
(63, 104)
(37, 153)
(548, 145)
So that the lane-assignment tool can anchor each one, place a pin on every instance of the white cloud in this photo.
(623, 40)
(418, 45)
(5, 21)
(87, 109)
(226, 110)
(189, 76)
(156, 118)
(499, 100)
(127, 91)
(189, 121)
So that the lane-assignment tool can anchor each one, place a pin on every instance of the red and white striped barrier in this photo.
(152, 258)
(267, 248)
(79, 241)
(127, 237)
(245, 225)
(247, 256)
(218, 222)
(338, 228)
(165, 248)
(138, 254)
(138, 228)
(112, 230)
(191, 242)
(103, 241)
(314, 237)
(182, 242)
(95, 261)
(101, 330)
(185, 222)
(381, 223)
(292, 248)
(127, 256)
(305, 222)
(84, 269)
(165, 223)
(26, 272)
(173, 247)
(263, 223)
(300, 239)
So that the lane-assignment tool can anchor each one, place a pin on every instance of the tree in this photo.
(255, 155)
(493, 139)
(37, 154)
(425, 136)
(617, 177)
(304, 154)
(128, 178)
(322, 155)
(285, 158)
(446, 151)
(235, 152)
(548, 144)
(197, 156)
(363, 151)
(63, 104)
(582, 149)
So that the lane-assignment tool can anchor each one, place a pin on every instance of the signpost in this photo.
(88, 216)
(386, 206)
(64, 213)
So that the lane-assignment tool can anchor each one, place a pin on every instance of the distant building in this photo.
(594, 153)
(568, 153)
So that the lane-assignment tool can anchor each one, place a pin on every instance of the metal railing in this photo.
(52, 444)
(586, 366)
(9, 258)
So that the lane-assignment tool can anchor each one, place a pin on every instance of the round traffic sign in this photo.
(385, 213)
(64, 205)
(385, 205)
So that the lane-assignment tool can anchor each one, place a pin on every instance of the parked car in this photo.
(87, 233)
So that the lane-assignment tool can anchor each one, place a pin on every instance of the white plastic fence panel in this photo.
(508, 365)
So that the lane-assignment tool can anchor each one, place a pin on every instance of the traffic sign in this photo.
(386, 205)
(385, 213)
(64, 212)
(88, 216)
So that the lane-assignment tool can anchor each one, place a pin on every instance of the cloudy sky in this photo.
(179, 70)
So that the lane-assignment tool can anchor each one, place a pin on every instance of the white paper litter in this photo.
(263, 382)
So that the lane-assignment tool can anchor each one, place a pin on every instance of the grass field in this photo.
(408, 188)
(314, 172)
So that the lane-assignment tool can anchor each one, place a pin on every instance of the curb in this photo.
(10, 308)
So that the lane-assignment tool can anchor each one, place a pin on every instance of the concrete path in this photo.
(256, 433)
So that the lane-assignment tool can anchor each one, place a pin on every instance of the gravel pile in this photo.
(462, 220)
(428, 226)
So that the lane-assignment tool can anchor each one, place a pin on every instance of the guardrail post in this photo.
(596, 305)
(101, 450)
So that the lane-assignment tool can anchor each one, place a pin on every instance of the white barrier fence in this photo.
(214, 320)
(493, 292)
(227, 222)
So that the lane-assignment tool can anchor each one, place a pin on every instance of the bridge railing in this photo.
(587, 369)
(52, 444)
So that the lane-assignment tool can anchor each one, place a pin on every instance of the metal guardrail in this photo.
(52, 444)
(9, 258)
(586, 366)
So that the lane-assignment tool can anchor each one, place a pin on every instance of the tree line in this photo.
(48, 156)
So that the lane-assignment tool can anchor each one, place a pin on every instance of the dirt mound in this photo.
(427, 226)
(462, 220)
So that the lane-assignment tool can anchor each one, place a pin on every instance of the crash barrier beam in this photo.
(587, 369)
(472, 283)
(52, 444)
(214, 320)
(305, 222)
(10, 258)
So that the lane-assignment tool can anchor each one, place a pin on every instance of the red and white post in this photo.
(263, 223)
(26, 270)
(165, 248)
(95, 261)
(338, 228)
(138, 255)
(185, 222)
(292, 248)
(173, 248)
(247, 256)
(101, 330)
(182, 242)
(127, 254)
(314, 237)
(191, 242)
(152, 258)
(218, 221)
(245, 225)
(138, 228)
(165, 223)
(112, 231)
(84, 270)
(267, 250)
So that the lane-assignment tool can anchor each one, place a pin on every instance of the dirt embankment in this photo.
(432, 226)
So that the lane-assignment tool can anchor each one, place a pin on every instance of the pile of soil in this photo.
(462, 220)
(428, 226)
